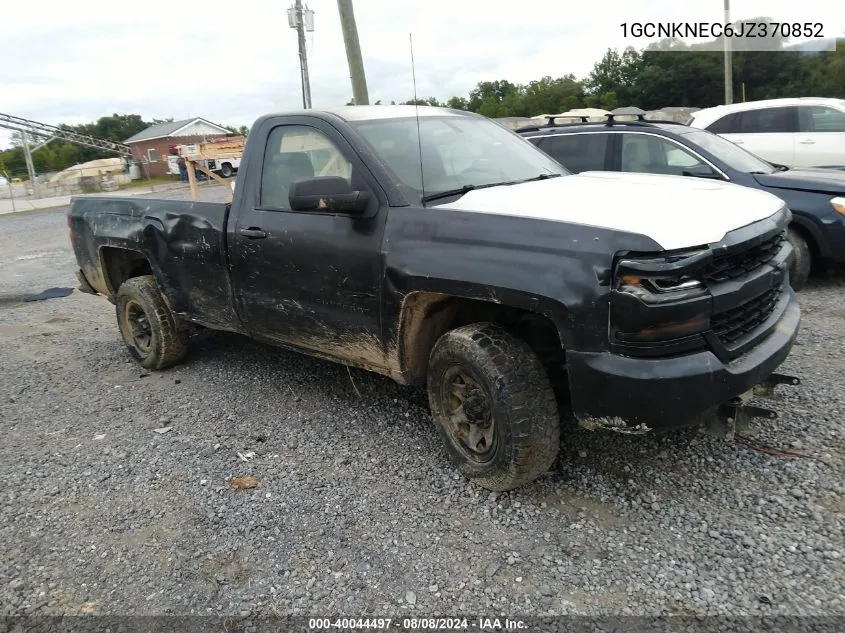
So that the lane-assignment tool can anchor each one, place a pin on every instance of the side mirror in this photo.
(327, 193)
(701, 171)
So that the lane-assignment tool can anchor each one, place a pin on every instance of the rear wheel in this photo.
(148, 327)
(493, 405)
(799, 270)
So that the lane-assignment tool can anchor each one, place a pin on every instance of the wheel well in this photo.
(815, 253)
(120, 264)
(426, 316)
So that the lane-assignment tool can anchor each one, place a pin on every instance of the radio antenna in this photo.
(417, 110)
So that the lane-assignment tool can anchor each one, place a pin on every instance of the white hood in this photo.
(674, 211)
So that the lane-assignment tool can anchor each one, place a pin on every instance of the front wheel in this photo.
(799, 270)
(149, 329)
(493, 405)
(226, 170)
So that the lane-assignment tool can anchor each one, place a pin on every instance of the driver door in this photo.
(309, 278)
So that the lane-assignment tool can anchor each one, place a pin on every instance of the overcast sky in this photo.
(73, 62)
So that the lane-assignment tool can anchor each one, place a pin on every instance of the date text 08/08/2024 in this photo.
(717, 29)
(418, 624)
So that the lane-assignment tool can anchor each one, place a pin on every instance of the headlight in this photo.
(838, 204)
(656, 288)
(658, 300)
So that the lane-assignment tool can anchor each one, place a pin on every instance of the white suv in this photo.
(799, 132)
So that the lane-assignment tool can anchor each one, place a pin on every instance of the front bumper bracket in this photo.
(767, 388)
(734, 416)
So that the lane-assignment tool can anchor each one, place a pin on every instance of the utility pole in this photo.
(729, 88)
(302, 20)
(353, 52)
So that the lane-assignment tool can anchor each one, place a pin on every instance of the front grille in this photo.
(732, 265)
(733, 324)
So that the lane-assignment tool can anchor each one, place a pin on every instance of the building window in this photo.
(152, 155)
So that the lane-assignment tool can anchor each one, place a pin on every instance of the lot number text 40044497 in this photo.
(418, 624)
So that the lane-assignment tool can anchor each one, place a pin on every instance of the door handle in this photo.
(808, 142)
(738, 142)
(253, 233)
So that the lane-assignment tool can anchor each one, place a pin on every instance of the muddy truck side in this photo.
(436, 247)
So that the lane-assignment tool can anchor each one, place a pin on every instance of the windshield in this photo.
(729, 153)
(457, 152)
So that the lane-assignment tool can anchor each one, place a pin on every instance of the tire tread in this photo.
(799, 271)
(172, 342)
(522, 389)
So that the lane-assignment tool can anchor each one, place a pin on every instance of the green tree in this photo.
(237, 131)
(551, 96)
(680, 77)
(493, 98)
(457, 103)
(826, 72)
(615, 78)
(14, 160)
(431, 101)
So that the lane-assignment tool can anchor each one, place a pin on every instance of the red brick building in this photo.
(151, 147)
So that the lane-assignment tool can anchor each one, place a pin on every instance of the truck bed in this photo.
(183, 241)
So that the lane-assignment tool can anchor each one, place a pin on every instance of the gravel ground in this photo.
(357, 509)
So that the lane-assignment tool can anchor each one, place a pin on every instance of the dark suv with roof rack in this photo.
(816, 197)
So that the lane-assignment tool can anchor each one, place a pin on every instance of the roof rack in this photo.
(627, 111)
(610, 119)
(551, 120)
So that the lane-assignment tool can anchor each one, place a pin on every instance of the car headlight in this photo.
(658, 300)
(838, 205)
(654, 288)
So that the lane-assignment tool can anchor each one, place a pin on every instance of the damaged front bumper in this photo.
(644, 395)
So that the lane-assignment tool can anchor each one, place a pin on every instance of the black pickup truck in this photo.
(435, 246)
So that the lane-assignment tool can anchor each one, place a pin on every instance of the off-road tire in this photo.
(799, 270)
(521, 401)
(168, 343)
